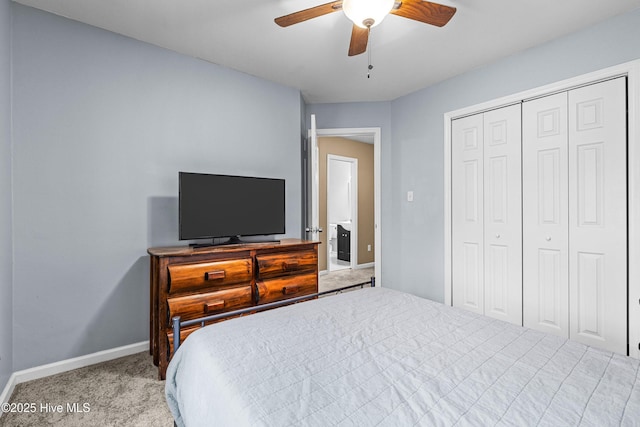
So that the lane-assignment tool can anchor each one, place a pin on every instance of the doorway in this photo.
(342, 212)
(311, 183)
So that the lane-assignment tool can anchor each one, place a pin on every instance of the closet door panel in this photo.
(550, 313)
(503, 214)
(467, 213)
(597, 209)
(545, 215)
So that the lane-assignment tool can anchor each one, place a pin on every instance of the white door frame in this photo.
(376, 133)
(353, 188)
(632, 71)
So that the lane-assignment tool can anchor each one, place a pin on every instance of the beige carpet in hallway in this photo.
(337, 279)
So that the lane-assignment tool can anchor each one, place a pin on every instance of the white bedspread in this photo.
(380, 357)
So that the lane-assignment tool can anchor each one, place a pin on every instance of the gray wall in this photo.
(101, 125)
(414, 252)
(6, 292)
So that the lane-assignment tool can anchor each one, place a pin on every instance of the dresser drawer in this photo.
(186, 277)
(274, 265)
(282, 288)
(193, 306)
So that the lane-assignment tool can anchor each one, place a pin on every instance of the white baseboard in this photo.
(68, 365)
(357, 267)
(366, 265)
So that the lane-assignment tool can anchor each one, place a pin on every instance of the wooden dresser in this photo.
(193, 282)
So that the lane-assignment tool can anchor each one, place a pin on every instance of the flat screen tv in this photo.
(216, 206)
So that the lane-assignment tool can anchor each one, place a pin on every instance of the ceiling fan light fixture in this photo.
(367, 13)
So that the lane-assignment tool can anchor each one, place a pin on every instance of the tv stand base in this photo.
(235, 240)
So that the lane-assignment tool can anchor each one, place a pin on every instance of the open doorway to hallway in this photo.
(313, 226)
(346, 204)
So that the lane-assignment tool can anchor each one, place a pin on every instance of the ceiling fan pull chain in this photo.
(370, 67)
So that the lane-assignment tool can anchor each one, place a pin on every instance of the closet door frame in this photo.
(632, 71)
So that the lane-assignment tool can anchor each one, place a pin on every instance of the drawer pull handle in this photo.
(288, 290)
(291, 265)
(214, 275)
(213, 306)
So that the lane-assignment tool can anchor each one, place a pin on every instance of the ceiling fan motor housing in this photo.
(367, 13)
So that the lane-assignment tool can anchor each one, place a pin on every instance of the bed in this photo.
(381, 357)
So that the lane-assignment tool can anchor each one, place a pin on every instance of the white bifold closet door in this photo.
(467, 213)
(575, 215)
(487, 216)
(545, 215)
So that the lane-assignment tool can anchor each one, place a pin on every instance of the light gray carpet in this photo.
(120, 392)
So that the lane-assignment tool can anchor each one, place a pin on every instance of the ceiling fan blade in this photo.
(359, 40)
(312, 12)
(425, 11)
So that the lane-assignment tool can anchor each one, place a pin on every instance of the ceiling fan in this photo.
(366, 14)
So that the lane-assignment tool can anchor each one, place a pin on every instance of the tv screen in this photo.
(228, 206)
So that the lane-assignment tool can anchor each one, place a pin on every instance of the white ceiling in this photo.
(312, 56)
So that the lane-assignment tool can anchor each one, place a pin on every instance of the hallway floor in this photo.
(337, 279)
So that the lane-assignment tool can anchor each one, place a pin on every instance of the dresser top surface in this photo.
(195, 250)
